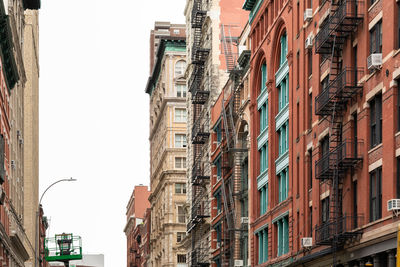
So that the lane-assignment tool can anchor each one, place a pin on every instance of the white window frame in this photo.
(183, 115)
(182, 143)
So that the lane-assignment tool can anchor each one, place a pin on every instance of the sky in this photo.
(94, 65)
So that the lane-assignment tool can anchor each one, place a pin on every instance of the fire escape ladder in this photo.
(341, 87)
(228, 43)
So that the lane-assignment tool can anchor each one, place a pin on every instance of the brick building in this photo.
(324, 85)
(135, 215)
(230, 118)
(208, 22)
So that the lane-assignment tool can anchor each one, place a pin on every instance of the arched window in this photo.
(180, 67)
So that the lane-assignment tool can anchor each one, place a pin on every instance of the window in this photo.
(375, 39)
(298, 120)
(283, 139)
(180, 140)
(310, 229)
(218, 131)
(325, 83)
(283, 91)
(310, 165)
(180, 115)
(263, 153)
(283, 49)
(355, 206)
(218, 166)
(282, 233)
(180, 67)
(263, 116)
(176, 31)
(375, 195)
(263, 77)
(219, 203)
(283, 181)
(310, 111)
(181, 215)
(180, 188)
(262, 245)
(398, 105)
(398, 179)
(263, 196)
(309, 61)
(180, 236)
(181, 90)
(180, 162)
(376, 120)
(181, 258)
(325, 210)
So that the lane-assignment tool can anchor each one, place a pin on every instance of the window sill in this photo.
(375, 148)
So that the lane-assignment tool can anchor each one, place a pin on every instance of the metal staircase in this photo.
(341, 88)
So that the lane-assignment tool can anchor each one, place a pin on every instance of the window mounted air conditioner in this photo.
(306, 242)
(244, 220)
(308, 14)
(309, 42)
(374, 61)
(393, 205)
(238, 263)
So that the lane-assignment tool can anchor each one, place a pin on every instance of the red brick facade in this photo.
(304, 203)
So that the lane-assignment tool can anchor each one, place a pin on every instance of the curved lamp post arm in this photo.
(38, 212)
(62, 180)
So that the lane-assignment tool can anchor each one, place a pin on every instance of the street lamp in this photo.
(38, 212)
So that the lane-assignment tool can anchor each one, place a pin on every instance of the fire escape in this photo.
(341, 88)
(200, 177)
(231, 157)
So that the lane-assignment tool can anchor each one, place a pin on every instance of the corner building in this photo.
(324, 85)
(167, 89)
(207, 22)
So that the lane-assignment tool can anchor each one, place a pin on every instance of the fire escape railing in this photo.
(343, 228)
(198, 172)
(200, 132)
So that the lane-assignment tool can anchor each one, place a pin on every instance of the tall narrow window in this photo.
(181, 214)
(375, 196)
(310, 166)
(376, 38)
(298, 69)
(309, 62)
(355, 207)
(398, 179)
(263, 77)
(398, 105)
(376, 120)
(355, 134)
(310, 229)
(310, 111)
(298, 120)
(298, 17)
(297, 177)
(325, 210)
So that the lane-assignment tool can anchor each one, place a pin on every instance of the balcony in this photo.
(199, 257)
(343, 228)
(345, 156)
(338, 92)
(200, 132)
(199, 55)
(200, 209)
(344, 19)
(199, 94)
(198, 172)
(198, 14)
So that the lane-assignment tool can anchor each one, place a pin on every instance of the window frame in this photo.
(180, 143)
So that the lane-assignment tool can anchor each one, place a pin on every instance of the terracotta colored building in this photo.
(229, 156)
(136, 210)
(324, 85)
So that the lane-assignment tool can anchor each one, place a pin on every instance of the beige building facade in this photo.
(168, 115)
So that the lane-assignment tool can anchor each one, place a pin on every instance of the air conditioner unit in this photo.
(393, 204)
(306, 242)
(309, 42)
(308, 14)
(244, 220)
(374, 61)
(238, 263)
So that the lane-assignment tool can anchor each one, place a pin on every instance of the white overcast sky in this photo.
(94, 60)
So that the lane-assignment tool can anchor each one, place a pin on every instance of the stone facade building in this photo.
(167, 90)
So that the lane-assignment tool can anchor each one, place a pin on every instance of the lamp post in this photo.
(38, 213)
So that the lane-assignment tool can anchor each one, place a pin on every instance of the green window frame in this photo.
(282, 226)
(283, 182)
